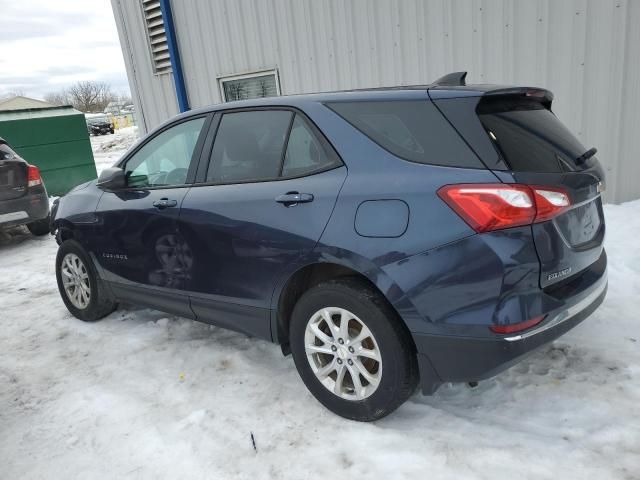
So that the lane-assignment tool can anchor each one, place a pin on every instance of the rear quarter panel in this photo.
(375, 174)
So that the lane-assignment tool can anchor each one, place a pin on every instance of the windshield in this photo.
(530, 137)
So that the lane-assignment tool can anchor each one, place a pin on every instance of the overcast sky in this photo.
(47, 45)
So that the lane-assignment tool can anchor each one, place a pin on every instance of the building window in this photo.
(252, 85)
(156, 36)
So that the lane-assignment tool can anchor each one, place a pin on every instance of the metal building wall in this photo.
(586, 51)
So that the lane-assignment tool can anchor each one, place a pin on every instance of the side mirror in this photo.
(112, 179)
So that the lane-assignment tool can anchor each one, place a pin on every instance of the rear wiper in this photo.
(586, 156)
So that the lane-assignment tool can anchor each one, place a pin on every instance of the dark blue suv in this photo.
(387, 238)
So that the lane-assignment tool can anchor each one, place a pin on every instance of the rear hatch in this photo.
(13, 174)
(531, 146)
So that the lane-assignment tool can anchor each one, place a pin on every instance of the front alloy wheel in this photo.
(75, 279)
(82, 291)
(343, 353)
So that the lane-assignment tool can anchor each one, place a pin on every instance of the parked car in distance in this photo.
(99, 124)
(23, 196)
(387, 238)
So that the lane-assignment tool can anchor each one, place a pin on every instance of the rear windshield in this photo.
(6, 153)
(530, 137)
(411, 129)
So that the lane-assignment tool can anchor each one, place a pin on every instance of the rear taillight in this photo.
(33, 176)
(550, 202)
(487, 207)
(516, 327)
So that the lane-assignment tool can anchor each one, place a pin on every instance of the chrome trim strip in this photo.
(584, 202)
(563, 316)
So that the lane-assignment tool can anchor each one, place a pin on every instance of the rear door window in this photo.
(307, 152)
(249, 146)
(529, 136)
(413, 130)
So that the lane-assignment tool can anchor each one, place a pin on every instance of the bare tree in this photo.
(88, 96)
(57, 98)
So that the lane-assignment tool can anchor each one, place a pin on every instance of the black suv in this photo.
(99, 126)
(23, 197)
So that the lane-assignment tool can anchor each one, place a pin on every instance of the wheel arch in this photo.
(64, 230)
(313, 273)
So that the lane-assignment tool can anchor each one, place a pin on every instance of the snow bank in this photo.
(145, 395)
(108, 149)
(121, 140)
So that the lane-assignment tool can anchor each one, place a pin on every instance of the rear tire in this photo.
(373, 337)
(39, 227)
(82, 291)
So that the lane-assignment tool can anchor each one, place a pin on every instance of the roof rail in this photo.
(455, 79)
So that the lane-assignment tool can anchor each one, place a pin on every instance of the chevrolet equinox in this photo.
(387, 238)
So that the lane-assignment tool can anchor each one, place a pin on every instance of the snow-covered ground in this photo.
(107, 149)
(145, 395)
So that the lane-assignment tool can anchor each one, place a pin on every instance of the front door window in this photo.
(165, 159)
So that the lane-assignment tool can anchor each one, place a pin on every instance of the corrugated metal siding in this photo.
(153, 94)
(585, 51)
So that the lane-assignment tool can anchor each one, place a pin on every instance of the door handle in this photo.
(291, 199)
(165, 203)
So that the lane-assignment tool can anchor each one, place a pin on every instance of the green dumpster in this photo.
(55, 139)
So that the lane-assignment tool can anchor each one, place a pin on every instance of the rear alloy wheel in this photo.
(343, 353)
(81, 289)
(352, 350)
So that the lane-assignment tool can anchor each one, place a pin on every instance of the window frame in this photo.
(252, 74)
(195, 156)
(207, 150)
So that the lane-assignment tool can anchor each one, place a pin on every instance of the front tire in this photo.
(352, 351)
(82, 291)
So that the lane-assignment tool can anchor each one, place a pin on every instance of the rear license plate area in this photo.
(580, 225)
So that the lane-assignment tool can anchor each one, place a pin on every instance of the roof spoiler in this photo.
(455, 79)
(541, 94)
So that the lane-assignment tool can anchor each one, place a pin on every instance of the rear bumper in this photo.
(26, 209)
(463, 359)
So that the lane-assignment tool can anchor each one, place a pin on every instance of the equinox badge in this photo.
(560, 274)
